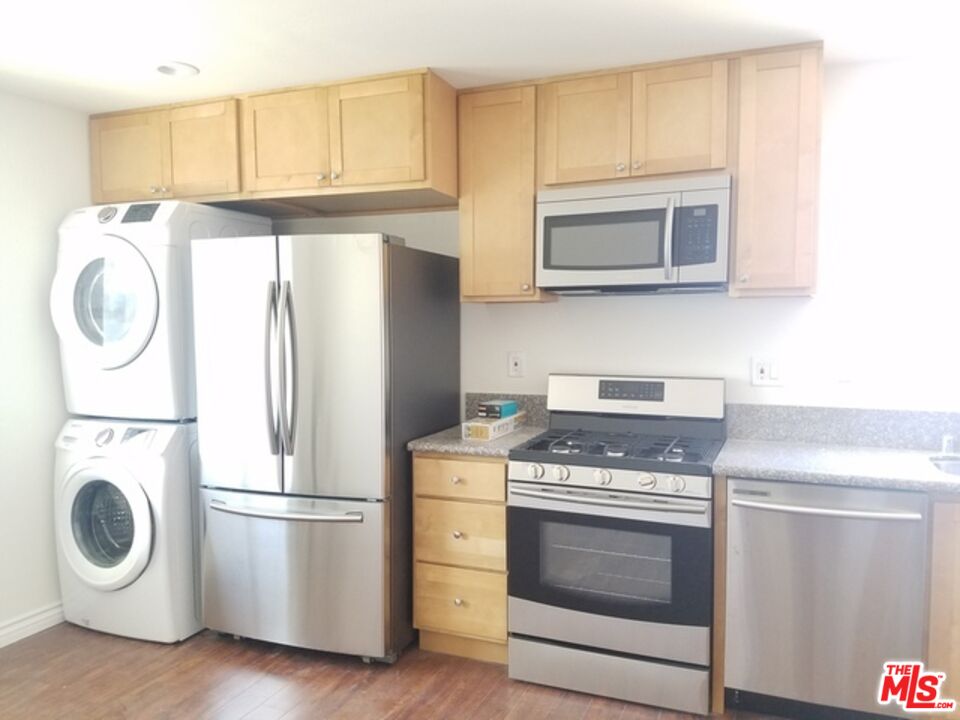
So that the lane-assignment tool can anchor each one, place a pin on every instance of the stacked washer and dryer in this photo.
(126, 462)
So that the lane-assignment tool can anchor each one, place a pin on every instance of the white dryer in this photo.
(121, 304)
(125, 516)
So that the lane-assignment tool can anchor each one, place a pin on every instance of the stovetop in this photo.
(631, 451)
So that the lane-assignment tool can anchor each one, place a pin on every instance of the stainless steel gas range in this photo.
(610, 539)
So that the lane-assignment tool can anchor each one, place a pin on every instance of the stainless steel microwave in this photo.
(642, 236)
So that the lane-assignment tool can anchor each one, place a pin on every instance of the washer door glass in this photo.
(104, 524)
(104, 302)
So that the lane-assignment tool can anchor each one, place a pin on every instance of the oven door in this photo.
(610, 241)
(623, 572)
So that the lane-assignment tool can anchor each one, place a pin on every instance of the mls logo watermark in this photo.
(907, 684)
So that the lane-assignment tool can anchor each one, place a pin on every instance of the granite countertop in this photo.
(449, 442)
(870, 467)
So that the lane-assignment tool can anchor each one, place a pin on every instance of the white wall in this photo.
(44, 173)
(889, 276)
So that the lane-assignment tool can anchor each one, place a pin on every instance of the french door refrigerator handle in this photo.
(827, 512)
(348, 517)
(668, 241)
(272, 430)
(289, 387)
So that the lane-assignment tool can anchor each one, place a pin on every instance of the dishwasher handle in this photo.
(828, 512)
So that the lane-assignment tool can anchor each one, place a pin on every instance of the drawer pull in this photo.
(455, 480)
(458, 602)
(457, 535)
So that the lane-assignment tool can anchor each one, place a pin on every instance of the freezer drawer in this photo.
(296, 571)
(824, 584)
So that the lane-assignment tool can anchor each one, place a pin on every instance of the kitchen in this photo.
(862, 342)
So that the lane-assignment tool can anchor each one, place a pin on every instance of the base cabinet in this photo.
(943, 635)
(459, 550)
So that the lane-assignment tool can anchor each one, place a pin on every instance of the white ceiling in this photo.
(101, 55)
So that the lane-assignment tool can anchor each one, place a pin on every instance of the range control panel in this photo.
(631, 390)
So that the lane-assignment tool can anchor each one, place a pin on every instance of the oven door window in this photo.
(617, 240)
(609, 566)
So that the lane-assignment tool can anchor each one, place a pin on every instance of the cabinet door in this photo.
(127, 157)
(943, 636)
(286, 143)
(497, 193)
(586, 129)
(202, 144)
(376, 131)
(679, 118)
(779, 153)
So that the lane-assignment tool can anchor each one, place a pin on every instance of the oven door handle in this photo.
(604, 502)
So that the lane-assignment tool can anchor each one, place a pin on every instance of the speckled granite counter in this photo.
(834, 465)
(449, 442)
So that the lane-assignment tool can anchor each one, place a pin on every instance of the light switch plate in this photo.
(765, 372)
(516, 363)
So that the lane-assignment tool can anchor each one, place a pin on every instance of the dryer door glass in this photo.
(104, 302)
(103, 524)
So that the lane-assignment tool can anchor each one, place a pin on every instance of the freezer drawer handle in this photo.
(633, 505)
(828, 512)
(350, 517)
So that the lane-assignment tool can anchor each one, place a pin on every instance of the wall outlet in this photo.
(765, 371)
(516, 364)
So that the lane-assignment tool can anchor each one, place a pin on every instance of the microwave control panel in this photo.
(696, 233)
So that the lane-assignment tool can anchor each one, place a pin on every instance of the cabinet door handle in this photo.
(335, 175)
(321, 177)
(455, 480)
(637, 165)
(154, 189)
(457, 535)
(744, 278)
(458, 602)
(525, 287)
(621, 167)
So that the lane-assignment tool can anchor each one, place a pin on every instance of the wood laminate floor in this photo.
(69, 673)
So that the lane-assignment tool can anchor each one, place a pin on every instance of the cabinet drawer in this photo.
(458, 533)
(461, 479)
(464, 602)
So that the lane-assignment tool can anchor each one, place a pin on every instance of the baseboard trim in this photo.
(30, 623)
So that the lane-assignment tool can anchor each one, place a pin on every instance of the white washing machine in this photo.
(121, 304)
(126, 525)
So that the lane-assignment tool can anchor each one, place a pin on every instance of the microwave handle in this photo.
(668, 242)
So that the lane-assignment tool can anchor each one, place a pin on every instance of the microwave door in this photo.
(607, 241)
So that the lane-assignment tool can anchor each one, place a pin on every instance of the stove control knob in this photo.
(677, 484)
(535, 471)
(561, 473)
(647, 481)
(602, 476)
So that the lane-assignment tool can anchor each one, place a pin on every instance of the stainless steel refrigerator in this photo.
(318, 357)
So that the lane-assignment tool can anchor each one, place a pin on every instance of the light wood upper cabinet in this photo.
(202, 145)
(497, 194)
(377, 131)
(184, 151)
(585, 128)
(128, 159)
(286, 142)
(777, 173)
(679, 118)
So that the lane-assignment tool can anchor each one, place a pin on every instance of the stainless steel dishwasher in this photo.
(824, 584)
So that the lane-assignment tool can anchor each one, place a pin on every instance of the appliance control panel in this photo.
(630, 390)
(141, 212)
(638, 481)
(101, 437)
(696, 231)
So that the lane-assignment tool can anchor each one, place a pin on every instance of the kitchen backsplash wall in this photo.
(873, 335)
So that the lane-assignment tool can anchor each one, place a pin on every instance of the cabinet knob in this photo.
(637, 165)
(525, 287)
(163, 189)
(334, 175)
(744, 278)
(321, 177)
(154, 189)
(458, 602)
(455, 480)
(621, 167)
(457, 534)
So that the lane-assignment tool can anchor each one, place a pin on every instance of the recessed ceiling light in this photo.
(179, 69)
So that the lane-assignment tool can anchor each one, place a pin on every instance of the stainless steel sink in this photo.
(947, 463)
